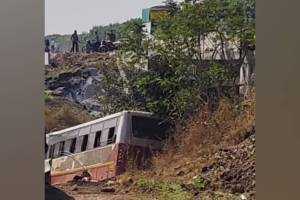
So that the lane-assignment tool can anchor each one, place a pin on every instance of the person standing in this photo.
(111, 36)
(75, 40)
(97, 38)
(47, 51)
(98, 42)
(47, 45)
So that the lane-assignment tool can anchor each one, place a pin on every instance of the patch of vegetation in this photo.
(199, 183)
(163, 190)
(48, 96)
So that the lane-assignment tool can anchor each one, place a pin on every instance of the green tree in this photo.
(134, 38)
(181, 78)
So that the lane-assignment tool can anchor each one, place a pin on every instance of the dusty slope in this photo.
(60, 114)
(214, 153)
(212, 158)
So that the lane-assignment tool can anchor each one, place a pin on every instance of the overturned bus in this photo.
(104, 147)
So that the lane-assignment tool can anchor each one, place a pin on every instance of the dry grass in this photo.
(206, 133)
(71, 63)
(61, 114)
(190, 150)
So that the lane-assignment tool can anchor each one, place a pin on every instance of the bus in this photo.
(102, 148)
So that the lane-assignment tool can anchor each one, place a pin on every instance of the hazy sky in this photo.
(64, 16)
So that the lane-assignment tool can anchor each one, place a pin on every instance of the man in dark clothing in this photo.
(75, 40)
(89, 47)
(47, 49)
(52, 49)
(98, 42)
(111, 36)
(97, 36)
(47, 45)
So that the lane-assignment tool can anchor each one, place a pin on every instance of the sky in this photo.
(64, 16)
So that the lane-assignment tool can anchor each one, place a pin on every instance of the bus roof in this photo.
(95, 121)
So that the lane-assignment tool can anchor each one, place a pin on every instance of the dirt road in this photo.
(103, 197)
(93, 193)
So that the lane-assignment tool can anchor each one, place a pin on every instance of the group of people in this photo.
(50, 50)
(108, 41)
(111, 37)
(48, 47)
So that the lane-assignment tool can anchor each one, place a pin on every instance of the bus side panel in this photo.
(100, 163)
(122, 133)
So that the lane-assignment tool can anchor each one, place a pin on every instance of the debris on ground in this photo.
(233, 169)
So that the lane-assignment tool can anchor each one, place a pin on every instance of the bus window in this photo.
(56, 150)
(46, 149)
(111, 136)
(61, 148)
(73, 145)
(84, 142)
(51, 151)
(97, 139)
(149, 128)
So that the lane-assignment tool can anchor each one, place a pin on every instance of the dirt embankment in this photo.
(216, 148)
(211, 158)
(60, 114)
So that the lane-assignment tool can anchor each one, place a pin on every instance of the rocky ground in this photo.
(97, 191)
(233, 169)
(78, 78)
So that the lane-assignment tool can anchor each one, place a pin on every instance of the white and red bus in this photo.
(102, 147)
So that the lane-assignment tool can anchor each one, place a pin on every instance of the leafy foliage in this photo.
(180, 78)
(165, 190)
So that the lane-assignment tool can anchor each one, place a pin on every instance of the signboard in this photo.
(156, 15)
(151, 16)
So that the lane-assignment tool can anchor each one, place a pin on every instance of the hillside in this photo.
(214, 152)
(211, 152)
(213, 157)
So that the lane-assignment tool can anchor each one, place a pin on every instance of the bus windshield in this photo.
(149, 128)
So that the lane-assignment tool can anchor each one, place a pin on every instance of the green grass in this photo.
(48, 96)
(163, 190)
